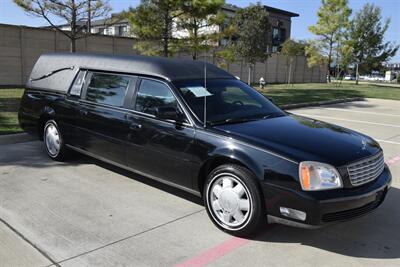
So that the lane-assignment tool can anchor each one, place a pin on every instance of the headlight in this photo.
(318, 176)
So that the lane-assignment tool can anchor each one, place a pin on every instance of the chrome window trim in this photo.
(130, 110)
(143, 115)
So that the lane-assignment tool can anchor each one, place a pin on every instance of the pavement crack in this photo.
(131, 236)
(42, 252)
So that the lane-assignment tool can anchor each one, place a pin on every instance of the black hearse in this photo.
(196, 127)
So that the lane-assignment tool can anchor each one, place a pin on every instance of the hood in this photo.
(301, 138)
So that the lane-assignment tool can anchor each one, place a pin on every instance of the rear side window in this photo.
(78, 83)
(153, 95)
(109, 89)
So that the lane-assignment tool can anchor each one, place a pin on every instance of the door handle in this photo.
(135, 126)
(83, 112)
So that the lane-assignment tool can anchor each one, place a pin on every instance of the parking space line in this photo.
(387, 141)
(356, 121)
(43, 253)
(218, 251)
(364, 112)
(131, 236)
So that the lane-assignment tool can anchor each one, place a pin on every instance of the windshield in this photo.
(228, 101)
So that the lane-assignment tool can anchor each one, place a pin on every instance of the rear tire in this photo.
(233, 200)
(53, 141)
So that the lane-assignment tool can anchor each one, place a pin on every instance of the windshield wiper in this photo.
(240, 120)
(232, 121)
(272, 115)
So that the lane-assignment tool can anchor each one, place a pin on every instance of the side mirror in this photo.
(169, 113)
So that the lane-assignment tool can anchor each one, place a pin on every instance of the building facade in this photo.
(392, 66)
(280, 20)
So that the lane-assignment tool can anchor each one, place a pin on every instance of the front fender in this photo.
(236, 153)
(264, 164)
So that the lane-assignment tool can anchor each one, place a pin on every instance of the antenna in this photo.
(205, 86)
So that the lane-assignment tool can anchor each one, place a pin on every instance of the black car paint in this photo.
(182, 154)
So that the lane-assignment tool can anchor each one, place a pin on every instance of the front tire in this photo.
(233, 200)
(53, 141)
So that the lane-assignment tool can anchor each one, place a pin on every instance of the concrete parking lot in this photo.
(84, 212)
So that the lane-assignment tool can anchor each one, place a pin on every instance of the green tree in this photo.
(333, 21)
(314, 57)
(152, 23)
(200, 22)
(291, 49)
(253, 36)
(367, 34)
(227, 54)
(76, 13)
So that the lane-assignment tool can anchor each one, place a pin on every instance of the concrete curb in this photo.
(15, 138)
(321, 103)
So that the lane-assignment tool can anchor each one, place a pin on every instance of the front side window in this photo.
(153, 95)
(228, 100)
(108, 89)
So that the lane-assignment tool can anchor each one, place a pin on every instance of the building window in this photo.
(122, 30)
(274, 49)
(275, 33)
(101, 30)
(224, 42)
(282, 35)
(109, 31)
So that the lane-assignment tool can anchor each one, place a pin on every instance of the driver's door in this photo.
(158, 147)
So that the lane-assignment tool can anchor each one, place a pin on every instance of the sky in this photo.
(307, 9)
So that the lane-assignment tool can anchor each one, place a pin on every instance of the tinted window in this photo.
(227, 99)
(153, 95)
(107, 89)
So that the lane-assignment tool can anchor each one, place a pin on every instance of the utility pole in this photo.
(89, 16)
(249, 77)
(357, 75)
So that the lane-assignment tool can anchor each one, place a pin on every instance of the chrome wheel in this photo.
(52, 140)
(229, 201)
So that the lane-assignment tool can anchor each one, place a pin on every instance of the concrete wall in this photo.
(20, 47)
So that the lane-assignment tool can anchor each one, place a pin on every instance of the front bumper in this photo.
(326, 207)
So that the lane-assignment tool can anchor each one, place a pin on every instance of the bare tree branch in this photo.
(74, 12)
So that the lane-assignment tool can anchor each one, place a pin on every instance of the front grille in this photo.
(366, 170)
(354, 213)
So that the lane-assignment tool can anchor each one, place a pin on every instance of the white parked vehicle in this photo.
(349, 78)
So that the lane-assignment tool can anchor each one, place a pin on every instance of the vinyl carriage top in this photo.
(56, 71)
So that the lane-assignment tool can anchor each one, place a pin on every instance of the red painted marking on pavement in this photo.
(217, 252)
(393, 160)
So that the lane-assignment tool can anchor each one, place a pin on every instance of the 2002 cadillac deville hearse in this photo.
(213, 136)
